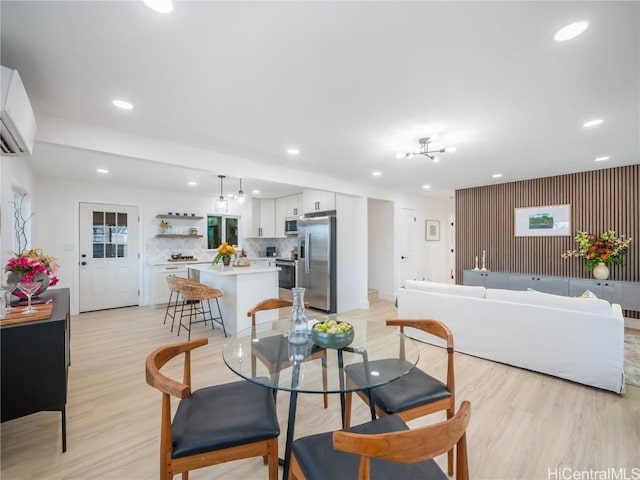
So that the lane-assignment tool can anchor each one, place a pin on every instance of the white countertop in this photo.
(180, 263)
(218, 270)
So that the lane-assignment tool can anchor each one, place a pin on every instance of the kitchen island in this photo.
(243, 287)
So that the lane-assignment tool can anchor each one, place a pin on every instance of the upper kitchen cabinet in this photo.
(318, 201)
(263, 217)
(294, 205)
(281, 215)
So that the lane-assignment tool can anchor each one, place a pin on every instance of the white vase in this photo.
(601, 271)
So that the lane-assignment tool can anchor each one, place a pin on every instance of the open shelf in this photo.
(175, 235)
(181, 217)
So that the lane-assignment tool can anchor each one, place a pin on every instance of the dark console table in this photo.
(35, 361)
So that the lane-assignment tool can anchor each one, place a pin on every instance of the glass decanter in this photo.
(298, 333)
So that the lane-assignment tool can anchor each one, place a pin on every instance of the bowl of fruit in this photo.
(332, 334)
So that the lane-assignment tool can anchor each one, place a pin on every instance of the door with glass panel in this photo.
(108, 256)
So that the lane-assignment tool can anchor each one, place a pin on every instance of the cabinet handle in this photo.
(171, 268)
(295, 211)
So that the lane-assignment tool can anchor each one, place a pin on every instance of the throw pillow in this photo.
(587, 294)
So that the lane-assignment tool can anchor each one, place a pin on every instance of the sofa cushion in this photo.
(446, 288)
(587, 305)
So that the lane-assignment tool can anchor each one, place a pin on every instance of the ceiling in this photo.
(349, 84)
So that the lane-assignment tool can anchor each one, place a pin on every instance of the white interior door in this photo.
(407, 245)
(108, 256)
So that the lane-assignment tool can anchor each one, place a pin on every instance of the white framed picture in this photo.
(432, 230)
(546, 221)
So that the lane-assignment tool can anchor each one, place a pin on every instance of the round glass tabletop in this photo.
(264, 355)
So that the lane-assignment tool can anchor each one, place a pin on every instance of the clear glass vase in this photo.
(298, 333)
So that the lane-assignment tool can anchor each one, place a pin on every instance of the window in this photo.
(221, 228)
(110, 235)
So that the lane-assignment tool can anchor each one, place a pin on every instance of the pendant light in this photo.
(222, 205)
(240, 194)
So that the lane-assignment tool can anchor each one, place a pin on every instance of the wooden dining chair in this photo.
(413, 395)
(211, 425)
(383, 449)
(273, 351)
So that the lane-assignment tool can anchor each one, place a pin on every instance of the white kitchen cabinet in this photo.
(263, 217)
(281, 214)
(318, 201)
(294, 205)
(157, 282)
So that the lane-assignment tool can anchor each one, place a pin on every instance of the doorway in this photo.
(109, 256)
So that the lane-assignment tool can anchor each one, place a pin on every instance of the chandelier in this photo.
(424, 150)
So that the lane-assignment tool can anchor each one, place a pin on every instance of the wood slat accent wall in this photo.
(600, 200)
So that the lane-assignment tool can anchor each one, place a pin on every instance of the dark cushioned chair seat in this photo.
(213, 418)
(276, 348)
(319, 460)
(411, 390)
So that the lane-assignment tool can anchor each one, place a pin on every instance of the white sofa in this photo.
(580, 339)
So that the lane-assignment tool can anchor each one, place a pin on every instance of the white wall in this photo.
(436, 263)
(380, 244)
(351, 235)
(14, 172)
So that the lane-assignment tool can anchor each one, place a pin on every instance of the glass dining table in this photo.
(297, 368)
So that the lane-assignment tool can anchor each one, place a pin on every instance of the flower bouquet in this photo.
(225, 251)
(607, 248)
(32, 266)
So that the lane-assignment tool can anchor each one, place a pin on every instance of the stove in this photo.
(287, 277)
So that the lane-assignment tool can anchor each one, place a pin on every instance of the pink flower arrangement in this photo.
(29, 264)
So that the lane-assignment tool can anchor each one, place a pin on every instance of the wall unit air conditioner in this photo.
(18, 124)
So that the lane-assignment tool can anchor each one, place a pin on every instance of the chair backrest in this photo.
(410, 446)
(160, 356)
(176, 282)
(268, 304)
(439, 329)
(198, 291)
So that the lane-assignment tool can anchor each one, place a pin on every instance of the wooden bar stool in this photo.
(194, 297)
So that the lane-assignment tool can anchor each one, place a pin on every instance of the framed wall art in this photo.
(432, 230)
(546, 221)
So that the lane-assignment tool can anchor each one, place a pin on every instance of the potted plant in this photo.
(32, 266)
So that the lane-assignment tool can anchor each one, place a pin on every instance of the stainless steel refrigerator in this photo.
(317, 262)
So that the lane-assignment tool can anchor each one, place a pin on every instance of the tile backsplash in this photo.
(159, 250)
(257, 247)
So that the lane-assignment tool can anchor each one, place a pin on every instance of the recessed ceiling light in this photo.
(102, 170)
(293, 151)
(193, 183)
(496, 175)
(602, 159)
(160, 6)
(123, 104)
(570, 31)
(376, 174)
(426, 187)
(593, 123)
(257, 192)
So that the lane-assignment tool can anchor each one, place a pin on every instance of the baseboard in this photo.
(632, 323)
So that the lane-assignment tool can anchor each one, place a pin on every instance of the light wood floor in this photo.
(523, 424)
